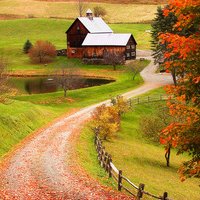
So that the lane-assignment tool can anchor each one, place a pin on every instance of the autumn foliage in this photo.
(42, 52)
(184, 56)
(106, 119)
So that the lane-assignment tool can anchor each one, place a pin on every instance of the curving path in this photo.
(43, 168)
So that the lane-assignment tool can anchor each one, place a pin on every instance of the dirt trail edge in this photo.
(41, 168)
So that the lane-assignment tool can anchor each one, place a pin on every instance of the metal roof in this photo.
(89, 11)
(95, 25)
(109, 39)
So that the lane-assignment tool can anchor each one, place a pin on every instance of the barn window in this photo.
(78, 29)
(73, 51)
(132, 46)
(128, 47)
(128, 54)
(132, 53)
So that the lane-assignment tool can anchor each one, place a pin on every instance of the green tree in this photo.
(27, 46)
(162, 24)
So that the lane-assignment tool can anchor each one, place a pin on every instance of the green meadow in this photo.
(14, 33)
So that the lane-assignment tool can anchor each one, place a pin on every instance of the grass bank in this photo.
(141, 160)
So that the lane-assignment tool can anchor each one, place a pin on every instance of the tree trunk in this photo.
(65, 93)
(167, 155)
(173, 73)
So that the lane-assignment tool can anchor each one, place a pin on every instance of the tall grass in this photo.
(119, 12)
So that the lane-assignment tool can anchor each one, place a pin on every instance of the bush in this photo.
(42, 52)
(121, 104)
(27, 46)
(106, 121)
(99, 11)
(152, 125)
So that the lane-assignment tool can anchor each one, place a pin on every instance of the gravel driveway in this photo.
(42, 168)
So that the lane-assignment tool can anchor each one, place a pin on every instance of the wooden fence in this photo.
(106, 162)
(148, 99)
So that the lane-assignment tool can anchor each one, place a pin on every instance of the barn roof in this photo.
(96, 25)
(111, 39)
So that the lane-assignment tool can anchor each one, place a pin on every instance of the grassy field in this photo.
(116, 13)
(14, 33)
(140, 159)
(29, 112)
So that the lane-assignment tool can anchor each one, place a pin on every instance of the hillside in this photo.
(117, 1)
(116, 13)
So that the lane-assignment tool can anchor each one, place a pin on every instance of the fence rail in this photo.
(147, 99)
(106, 162)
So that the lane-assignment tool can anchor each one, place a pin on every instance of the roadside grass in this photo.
(116, 13)
(30, 112)
(141, 160)
(18, 119)
(14, 34)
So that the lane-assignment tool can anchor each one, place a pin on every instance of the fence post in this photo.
(138, 100)
(148, 99)
(140, 191)
(161, 97)
(108, 163)
(120, 180)
(110, 169)
(105, 161)
(165, 195)
(102, 155)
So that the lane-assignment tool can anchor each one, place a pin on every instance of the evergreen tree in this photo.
(162, 24)
(27, 46)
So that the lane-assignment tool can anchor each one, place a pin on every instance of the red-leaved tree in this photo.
(42, 52)
(184, 56)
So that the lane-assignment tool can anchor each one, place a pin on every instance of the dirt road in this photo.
(42, 168)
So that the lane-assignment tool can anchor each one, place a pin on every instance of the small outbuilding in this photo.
(90, 37)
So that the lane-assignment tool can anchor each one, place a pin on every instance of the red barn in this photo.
(90, 37)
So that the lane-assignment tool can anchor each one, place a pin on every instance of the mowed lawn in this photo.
(140, 159)
(120, 12)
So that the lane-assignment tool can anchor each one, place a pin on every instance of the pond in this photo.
(38, 85)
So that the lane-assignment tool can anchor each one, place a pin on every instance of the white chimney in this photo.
(89, 14)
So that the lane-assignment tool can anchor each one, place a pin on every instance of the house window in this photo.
(132, 46)
(128, 54)
(128, 47)
(132, 53)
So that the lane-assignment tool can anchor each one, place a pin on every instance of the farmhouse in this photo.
(90, 38)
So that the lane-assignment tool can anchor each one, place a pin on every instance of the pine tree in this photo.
(161, 24)
(27, 46)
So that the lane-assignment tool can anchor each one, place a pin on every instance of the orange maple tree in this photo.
(184, 55)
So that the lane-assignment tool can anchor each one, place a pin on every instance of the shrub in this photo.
(99, 11)
(106, 121)
(27, 46)
(152, 125)
(121, 104)
(42, 52)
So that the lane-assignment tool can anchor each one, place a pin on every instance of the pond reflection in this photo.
(37, 85)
